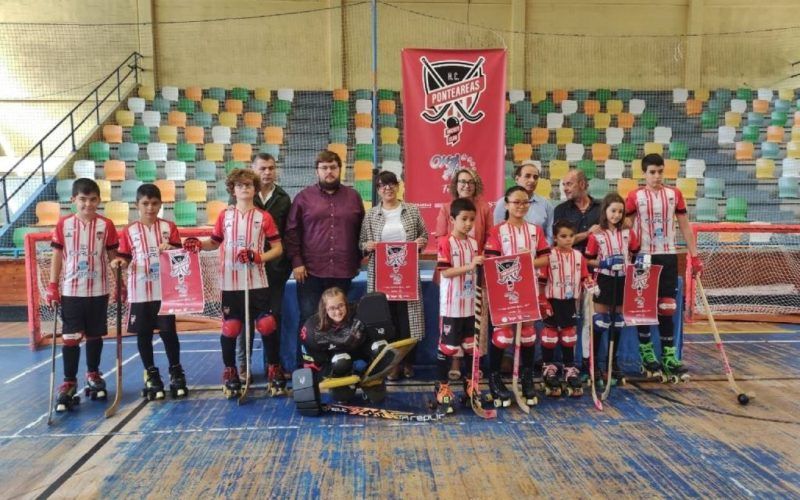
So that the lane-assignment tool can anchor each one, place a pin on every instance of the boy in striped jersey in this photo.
(241, 231)
(457, 259)
(139, 248)
(83, 243)
(654, 210)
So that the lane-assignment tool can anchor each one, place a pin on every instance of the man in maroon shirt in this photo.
(322, 235)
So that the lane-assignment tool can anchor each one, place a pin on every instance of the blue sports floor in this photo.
(692, 440)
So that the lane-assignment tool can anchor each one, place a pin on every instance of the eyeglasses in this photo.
(243, 185)
(387, 186)
(328, 168)
(338, 307)
(463, 182)
(519, 203)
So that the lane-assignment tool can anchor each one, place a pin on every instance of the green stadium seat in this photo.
(281, 106)
(778, 118)
(340, 107)
(522, 107)
(387, 95)
(756, 119)
(514, 135)
(529, 120)
(577, 120)
(714, 188)
(709, 120)
(216, 93)
(385, 120)
(128, 151)
(338, 135)
(240, 93)
(161, 105)
(706, 210)
(362, 94)
(545, 107)
(639, 135)
(18, 237)
(186, 105)
(580, 95)
(716, 106)
(145, 170)
(624, 95)
(736, 209)
(751, 133)
(589, 136)
(248, 135)
(598, 188)
(770, 150)
(99, 151)
(64, 190)
(548, 152)
(511, 120)
(185, 213)
(232, 165)
(626, 152)
(364, 152)
(338, 119)
(129, 188)
(588, 167)
(788, 187)
(257, 106)
(140, 134)
(678, 150)
(185, 152)
(602, 95)
(205, 170)
(364, 189)
(744, 94)
(202, 119)
(271, 149)
(649, 119)
(390, 151)
(277, 119)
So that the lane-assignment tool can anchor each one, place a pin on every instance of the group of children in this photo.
(86, 245)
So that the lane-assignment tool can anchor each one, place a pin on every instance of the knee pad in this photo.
(601, 321)
(667, 306)
(569, 336)
(341, 365)
(451, 350)
(527, 336)
(468, 345)
(549, 337)
(502, 337)
(72, 339)
(266, 324)
(231, 328)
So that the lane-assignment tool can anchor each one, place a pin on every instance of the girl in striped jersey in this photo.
(609, 250)
(139, 249)
(514, 236)
(563, 277)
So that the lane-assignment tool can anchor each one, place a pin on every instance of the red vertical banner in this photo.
(181, 282)
(640, 303)
(512, 289)
(397, 270)
(453, 118)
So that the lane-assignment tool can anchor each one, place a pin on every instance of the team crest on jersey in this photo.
(179, 268)
(452, 93)
(396, 258)
(508, 274)
(165, 235)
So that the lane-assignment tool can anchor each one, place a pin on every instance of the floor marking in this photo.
(762, 341)
(737, 483)
(29, 370)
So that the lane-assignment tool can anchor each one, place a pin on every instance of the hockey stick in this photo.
(590, 315)
(481, 325)
(112, 410)
(53, 371)
(611, 335)
(523, 405)
(365, 411)
(742, 397)
(243, 395)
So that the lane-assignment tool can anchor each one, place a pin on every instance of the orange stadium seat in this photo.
(112, 134)
(539, 136)
(625, 120)
(194, 93)
(47, 213)
(176, 119)
(625, 186)
(744, 151)
(560, 95)
(117, 211)
(522, 152)
(213, 209)
(775, 133)
(601, 152)
(760, 106)
(693, 107)
(194, 135)
(341, 95)
(590, 107)
(362, 170)
(234, 106)
(242, 152)
(114, 170)
(386, 106)
(672, 169)
(273, 135)
(363, 120)
(167, 189)
(253, 119)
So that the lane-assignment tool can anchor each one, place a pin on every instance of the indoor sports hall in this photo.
(179, 95)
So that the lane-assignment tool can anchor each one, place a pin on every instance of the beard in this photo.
(330, 186)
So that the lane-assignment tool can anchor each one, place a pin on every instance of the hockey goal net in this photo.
(38, 256)
(750, 272)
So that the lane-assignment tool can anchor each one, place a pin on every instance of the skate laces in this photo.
(94, 377)
(445, 394)
(67, 386)
(549, 371)
(647, 352)
(670, 359)
(571, 372)
(229, 373)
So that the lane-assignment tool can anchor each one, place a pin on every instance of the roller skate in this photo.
(276, 384)
(177, 382)
(473, 391)
(232, 386)
(651, 368)
(243, 373)
(552, 386)
(673, 370)
(66, 399)
(600, 377)
(529, 387)
(500, 393)
(444, 397)
(572, 381)
(153, 385)
(617, 375)
(95, 386)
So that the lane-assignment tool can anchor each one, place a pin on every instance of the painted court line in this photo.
(29, 370)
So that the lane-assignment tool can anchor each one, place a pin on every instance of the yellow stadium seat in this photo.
(625, 120)
(786, 94)
(614, 106)
(341, 150)
(744, 151)
(702, 95)
(401, 190)
(117, 211)
(105, 189)
(340, 95)
(538, 95)
(733, 119)
(167, 189)
(600, 152)
(775, 133)
(560, 95)
(672, 169)
(112, 134)
(625, 186)
(194, 94)
(558, 169)
(176, 119)
(114, 170)
(539, 136)
(522, 152)
(796, 119)
(213, 209)
(387, 107)
(693, 107)
(363, 120)
(147, 92)
(125, 118)
(168, 134)
(273, 135)
(214, 152)
(653, 148)
(765, 168)
(636, 170)
(228, 119)
(194, 135)
(544, 188)
(793, 150)
(590, 107)
(564, 136)
(47, 213)
(760, 106)
(390, 135)
(262, 94)
(362, 170)
(195, 190)
(241, 152)
(234, 106)
(687, 187)
(210, 106)
(253, 119)
(602, 121)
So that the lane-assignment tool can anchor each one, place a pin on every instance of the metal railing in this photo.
(132, 63)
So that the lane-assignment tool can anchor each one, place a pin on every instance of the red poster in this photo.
(454, 116)
(181, 282)
(512, 289)
(640, 305)
(397, 270)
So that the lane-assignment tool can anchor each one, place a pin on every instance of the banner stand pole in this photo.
(375, 169)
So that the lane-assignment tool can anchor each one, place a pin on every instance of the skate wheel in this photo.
(160, 395)
(506, 403)
(61, 408)
(497, 403)
(569, 391)
(674, 379)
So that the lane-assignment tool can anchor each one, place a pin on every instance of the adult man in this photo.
(579, 208)
(276, 201)
(322, 235)
(540, 211)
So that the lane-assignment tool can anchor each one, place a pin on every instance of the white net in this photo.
(749, 270)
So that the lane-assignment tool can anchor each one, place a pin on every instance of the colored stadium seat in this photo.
(129, 188)
(195, 190)
(713, 188)
(706, 210)
(175, 170)
(64, 189)
(205, 170)
(186, 106)
(170, 93)
(263, 94)
(124, 118)
(213, 209)
(114, 170)
(234, 106)
(128, 151)
(598, 188)
(726, 135)
(390, 135)
(793, 149)
(84, 169)
(240, 93)
(790, 167)
(760, 106)
(273, 135)
(248, 135)
(625, 186)
(744, 151)
(662, 135)
(591, 107)
(679, 95)
(613, 169)
(210, 106)
(194, 135)
(145, 170)
(241, 152)
(167, 188)
(688, 187)
(288, 95)
(221, 134)
(558, 169)
(653, 148)
(341, 94)
(341, 150)
(151, 119)
(625, 120)
(538, 95)
(539, 136)
(636, 106)
(228, 119)
(564, 136)
(257, 106)
(695, 168)
(765, 168)
(589, 136)
(775, 133)
(186, 152)
(736, 209)
(282, 106)
(176, 119)
(522, 152)
(161, 105)
(639, 135)
(738, 106)
(193, 93)
(105, 189)
(559, 95)
(363, 120)
(672, 169)
(770, 150)
(649, 119)
(614, 135)
(733, 119)
(117, 211)
(544, 188)
(202, 119)
(578, 120)
(574, 152)
(693, 107)
(185, 213)
(588, 167)
(548, 152)
(601, 152)
(614, 107)
(387, 107)
(364, 136)
(788, 187)
(168, 134)
(271, 149)
(362, 170)
(157, 151)
(569, 107)
(47, 213)
(214, 152)
(99, 151)
(136, 105)
(626, 152)
(554, 120)
(678, 150)
(146, 92)
(252, 119)
(387, 120)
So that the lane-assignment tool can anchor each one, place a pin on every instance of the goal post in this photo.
(751, 272)
(38, 256)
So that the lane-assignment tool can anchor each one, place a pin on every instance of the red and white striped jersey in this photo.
(608, 242)
(140, 244)
(456, 295)
(564, 273)
(507, 239)
(85, 247)
(236, 231)
(655, 211)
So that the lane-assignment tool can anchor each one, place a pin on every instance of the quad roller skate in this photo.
(529, 387)
(617, 375)
(232, 386)
(651, 368)
(500, 393)
(572, 381)
(672, 370)
(177, 382)
(444, 397)
(67, 397)
(276, 383)
(153, 385)
(473, 391)
(552, 385)
(95, 386)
